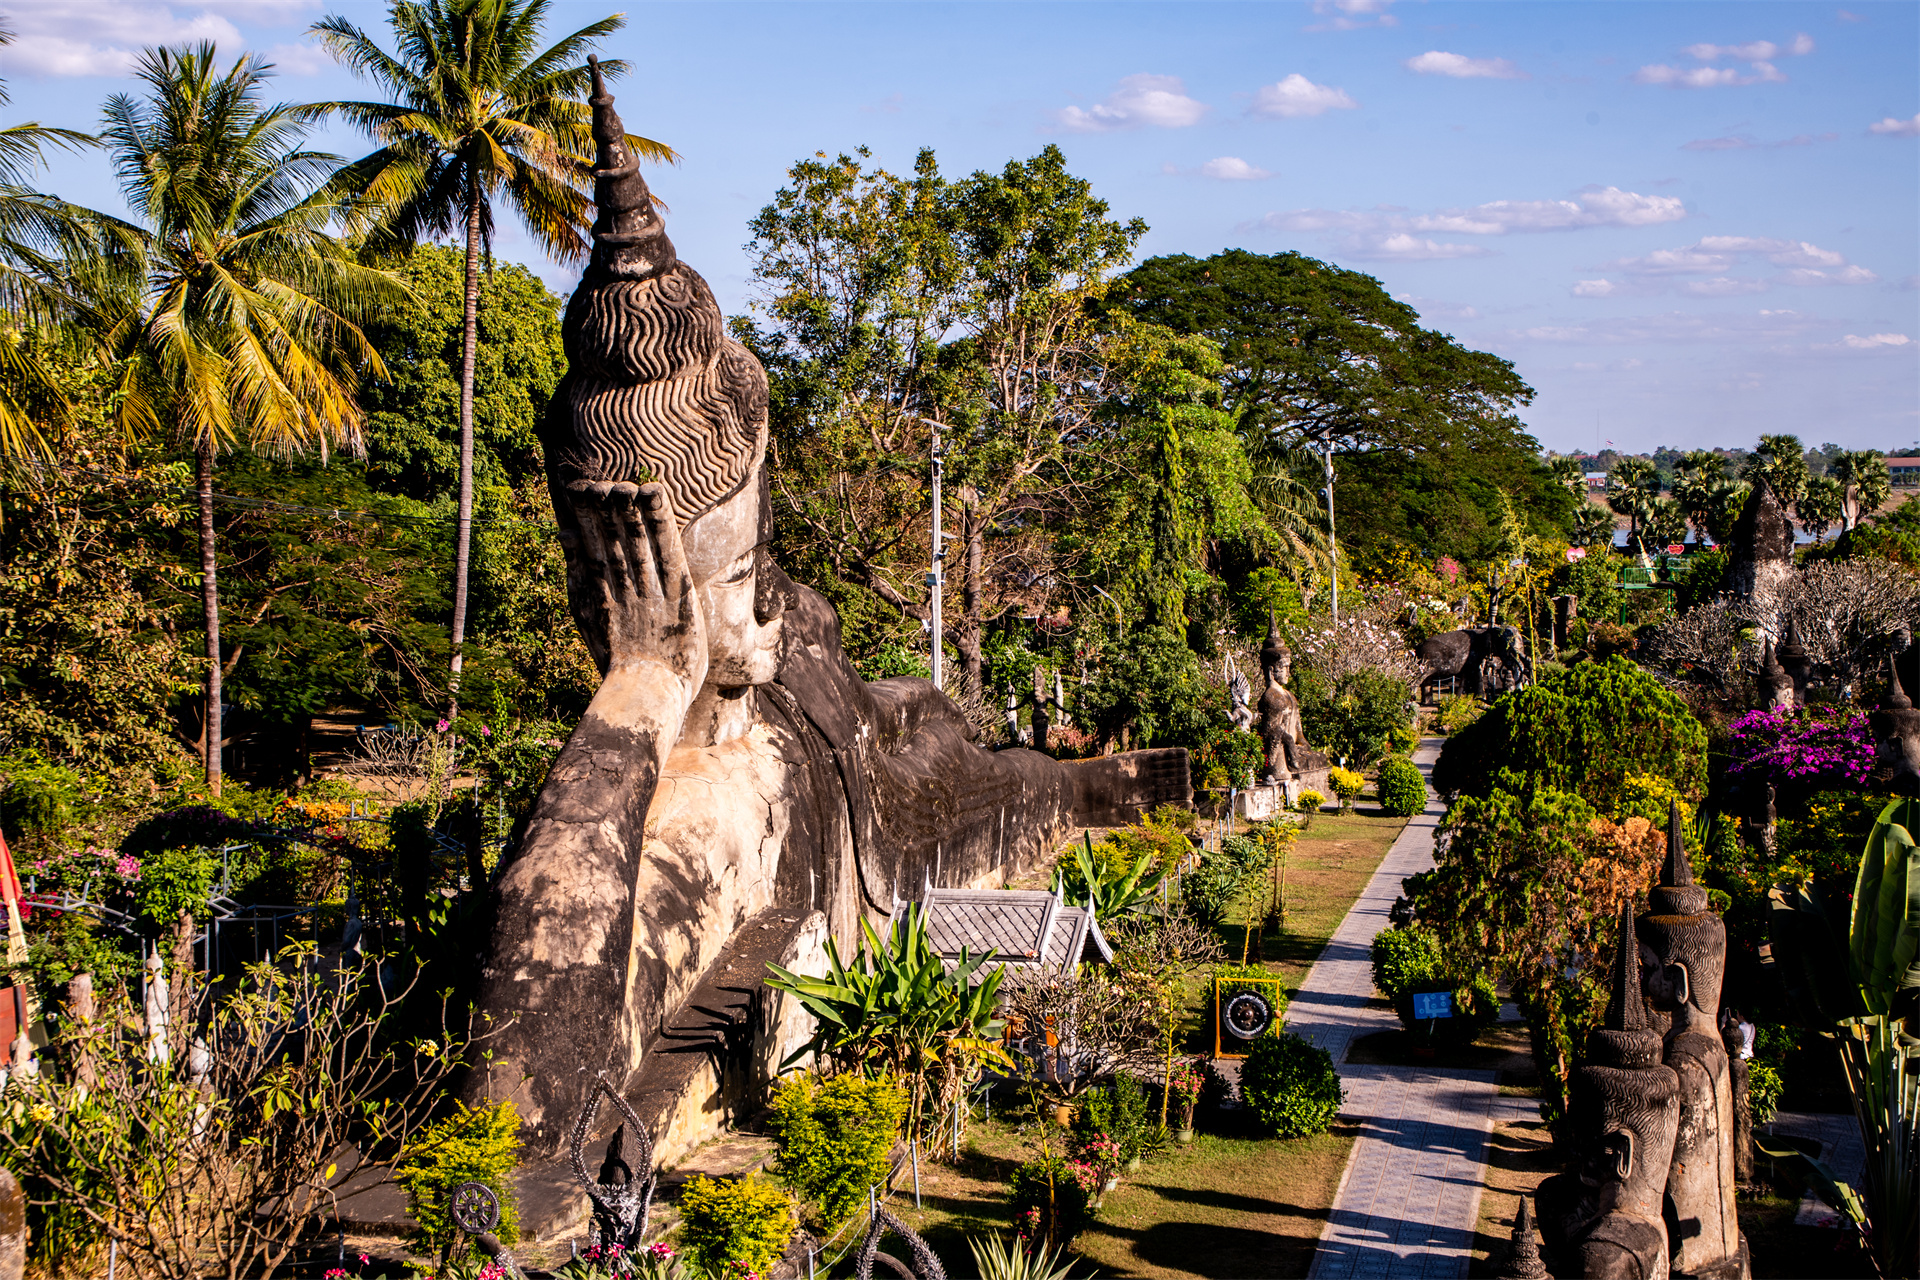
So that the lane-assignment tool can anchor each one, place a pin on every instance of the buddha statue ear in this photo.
(1682, 982)
(1622, 1142)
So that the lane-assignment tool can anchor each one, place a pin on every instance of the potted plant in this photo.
(1185, 1084)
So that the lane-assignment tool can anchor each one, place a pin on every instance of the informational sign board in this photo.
(1432, 1004)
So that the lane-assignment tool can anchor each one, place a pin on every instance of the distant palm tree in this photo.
(35, 229)
(241, 324)
(476, 113)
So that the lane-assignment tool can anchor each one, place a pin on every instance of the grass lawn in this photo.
(1222, 1207)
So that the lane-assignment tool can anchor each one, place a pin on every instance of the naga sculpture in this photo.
(735, 793)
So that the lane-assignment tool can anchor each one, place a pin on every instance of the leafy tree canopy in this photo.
(413, 418)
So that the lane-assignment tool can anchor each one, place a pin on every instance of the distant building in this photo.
(1906, 471)
(1596, 482)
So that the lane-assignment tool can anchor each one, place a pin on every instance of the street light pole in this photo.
(1333, 547)
(936, 579)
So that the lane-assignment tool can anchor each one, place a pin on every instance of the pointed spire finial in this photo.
(1626, 1007)
(1678, 873)
(1523, 1262)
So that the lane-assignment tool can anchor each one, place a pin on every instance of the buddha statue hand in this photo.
(649, 607)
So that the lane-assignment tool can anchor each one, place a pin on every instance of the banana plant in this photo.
(1870, 1019)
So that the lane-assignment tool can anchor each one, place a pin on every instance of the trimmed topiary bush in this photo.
(1402, 790)
(723, 1221)
(1403, 957)
(835, 1136)
(1290, 1086)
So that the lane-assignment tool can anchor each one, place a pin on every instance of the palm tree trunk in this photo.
(210, 602)
(470, 332)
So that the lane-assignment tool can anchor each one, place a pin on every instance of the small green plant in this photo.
(835, 1136)
(474, 1144)
(1120, 1112)
(1309, 801)
(1402, 789)
(1052, 1199)
(1290, 1086)
(1403, 957)
(657, 1261)
(1346, 784)
(1001, 1258)
(1764, 1087)
(1457, 711)
(724, 1222)
(1402, 739)
(1118, 878)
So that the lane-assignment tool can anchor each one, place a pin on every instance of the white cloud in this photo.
(104, 37)
(1458, 65)
(1706, 77)
(1875, 341)
(1723, 287)
(1594, 289)
(1401, 247)
(1752, 51)
(1138, 100)
(1898, 128)
(1351, 15)
(1730, 328)
(1232, 169)
(1298, 96)
(1805, 263)
(1745, 142)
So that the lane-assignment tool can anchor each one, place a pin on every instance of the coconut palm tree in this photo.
(241, 324)
(34, 230)
(477, 113)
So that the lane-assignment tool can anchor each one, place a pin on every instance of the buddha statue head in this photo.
(1683, 941)
(658, 392)
(1623, 1105)
(1276, 660)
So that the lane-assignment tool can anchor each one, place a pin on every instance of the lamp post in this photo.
(1333, 546)
(936, 577)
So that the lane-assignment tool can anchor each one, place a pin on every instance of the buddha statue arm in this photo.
(563, 932)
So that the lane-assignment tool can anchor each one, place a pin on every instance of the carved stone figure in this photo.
(1683, 956)
(1523, 1254)
(1288, 755)
(1760, 552)
(1776, 685)
(735, 793)
(1604, 1219)
(1240, 695)
(1896, 740)
(1794, 661)
(1486, 660)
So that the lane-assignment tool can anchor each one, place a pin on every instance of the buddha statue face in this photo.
(729, 563)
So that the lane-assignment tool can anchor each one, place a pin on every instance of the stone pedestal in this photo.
(1260, 804)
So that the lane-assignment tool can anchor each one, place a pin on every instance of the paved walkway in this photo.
(1410, 1198)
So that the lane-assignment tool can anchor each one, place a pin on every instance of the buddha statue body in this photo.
(1683, 956)
(1605, 1216)
(1289, 757)
(735, 793)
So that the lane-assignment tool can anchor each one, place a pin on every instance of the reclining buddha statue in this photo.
(735, 793)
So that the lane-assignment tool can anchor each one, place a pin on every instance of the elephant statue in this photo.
(1487, 660)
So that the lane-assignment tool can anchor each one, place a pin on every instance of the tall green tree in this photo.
(1867, 484)
(35, 229)
(477, 112)
(240, 326)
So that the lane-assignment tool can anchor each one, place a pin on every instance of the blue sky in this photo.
(1685, 224)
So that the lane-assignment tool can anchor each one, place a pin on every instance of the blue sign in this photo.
(1433, 1004)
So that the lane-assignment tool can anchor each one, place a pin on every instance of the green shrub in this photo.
(1209, 888)
(1310, 801)
(836, 1136)
(474, 1144)
(176, 880)
(1402, 957)
(1458, 710)
(1402, 739)
(1354, 717)
(1120, 1111)
(1402, 789)
(1290, 1086)
(1476, 1006)
(1764, 1087)
(1346, 784)
(723, 1221)
(38, 798)
(1051, 1200)
(1585, 730)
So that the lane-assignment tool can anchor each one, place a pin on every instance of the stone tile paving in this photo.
(1840, 1150)
(1410, 1198)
